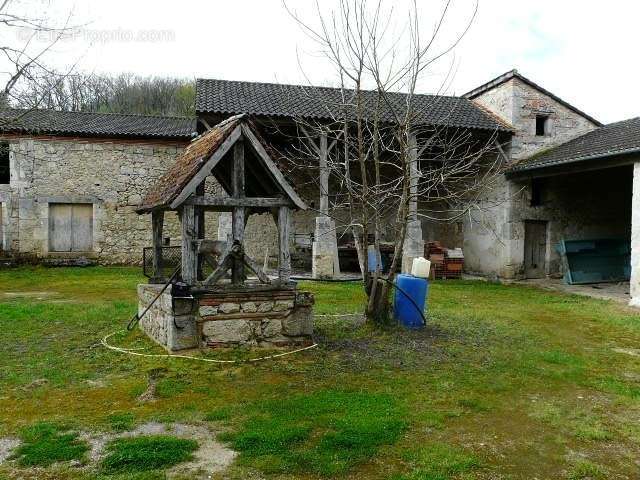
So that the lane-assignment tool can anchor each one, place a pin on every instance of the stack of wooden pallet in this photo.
(445, 263)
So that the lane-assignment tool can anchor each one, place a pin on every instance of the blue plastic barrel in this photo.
(404, 310)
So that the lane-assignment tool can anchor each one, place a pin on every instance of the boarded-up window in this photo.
(70, 227)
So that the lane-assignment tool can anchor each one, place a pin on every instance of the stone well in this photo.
(269, 318)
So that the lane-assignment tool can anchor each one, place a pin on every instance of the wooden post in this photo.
(284, 257)
(200, 225)
(238, 221)
(157, 224)
(189, 253)
(324, 176)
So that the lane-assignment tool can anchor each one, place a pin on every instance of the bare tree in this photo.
(29, 32)
(121, 93)
(393, 159)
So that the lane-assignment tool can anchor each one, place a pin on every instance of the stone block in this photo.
(229, 308)
(322, 266)
(249, 307)
(282, 305)
(208, 310)
(265, 307)
(299, 322)
(271, 328)
(229, 331)
(182, 333)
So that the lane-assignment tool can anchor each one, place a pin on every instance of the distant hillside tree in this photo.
(122, 93)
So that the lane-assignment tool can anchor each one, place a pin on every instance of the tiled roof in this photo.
(52, 122)
(614, 139)
(505, 77)
(323, 103)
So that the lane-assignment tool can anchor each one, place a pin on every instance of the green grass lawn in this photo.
(507, 382)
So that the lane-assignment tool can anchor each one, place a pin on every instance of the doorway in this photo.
(535, 248)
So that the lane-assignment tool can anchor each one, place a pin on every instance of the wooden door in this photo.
(60, 227)
(535, 248)
(70, 227)
(82, 227)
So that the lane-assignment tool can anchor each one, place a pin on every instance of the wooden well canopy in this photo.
(236, 156)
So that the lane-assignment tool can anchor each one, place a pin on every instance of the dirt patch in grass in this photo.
(438, 461)
(210, 456)
(399, 348)
(7, 445)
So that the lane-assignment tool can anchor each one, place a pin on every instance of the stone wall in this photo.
(111, 175)
(634, 284)
(518, 103)
(266, 319)
(494, 232)
(572, 206)
(170, 322)
(275, 318)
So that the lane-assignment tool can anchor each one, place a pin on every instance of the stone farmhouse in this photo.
(70, 182)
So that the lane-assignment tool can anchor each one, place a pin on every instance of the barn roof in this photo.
(322, 103)
(92, 124)
(195, 163)
(614, 139)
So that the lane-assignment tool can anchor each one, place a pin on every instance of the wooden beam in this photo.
(200, 224)
(284, 256)
(226, 262)
(253, 265)
(250, 202)
(237, 178)
(273, 170)
(309, 139)
(157, 224)
(206, 169)
(335, 141)
(189, 253)
(237, 219)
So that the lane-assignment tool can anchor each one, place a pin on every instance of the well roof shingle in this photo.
(324, 103)
(613, 139)
(53, 122)
(188, 163)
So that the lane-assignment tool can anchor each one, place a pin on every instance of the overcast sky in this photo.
(583, 51)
